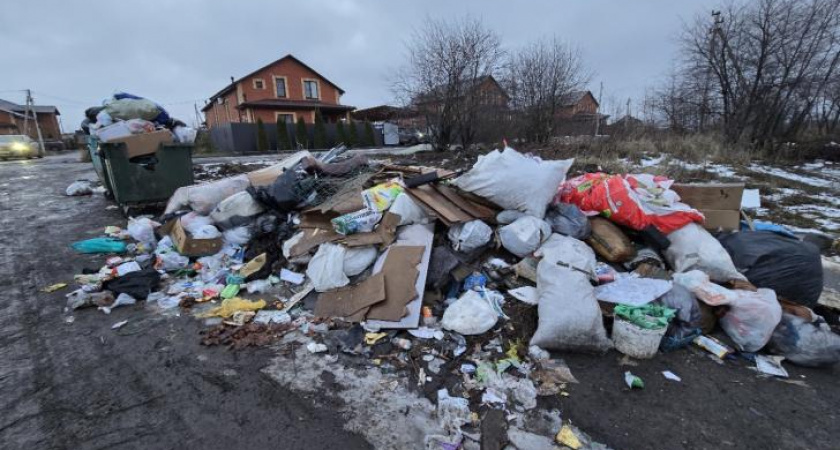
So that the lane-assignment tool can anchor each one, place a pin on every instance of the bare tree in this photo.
(538, 77)
(763, 67)
(445, 61)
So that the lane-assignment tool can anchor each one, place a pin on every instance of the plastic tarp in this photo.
(515, 181)
(635, 201)
(790, 267)
(810, 344)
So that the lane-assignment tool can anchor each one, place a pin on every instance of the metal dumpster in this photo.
(146, 180)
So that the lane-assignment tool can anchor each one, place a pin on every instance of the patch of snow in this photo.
(779, 173)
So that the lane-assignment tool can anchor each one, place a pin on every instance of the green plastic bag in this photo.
(650, 317)
(99, 245)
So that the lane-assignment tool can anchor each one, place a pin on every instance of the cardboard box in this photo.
(716, 196)
(144, 144)
(189, 246)
(726, 219)
(266, 176)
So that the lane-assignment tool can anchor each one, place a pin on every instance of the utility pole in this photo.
(598, 110)
(197, 116)
(713, 33)
(627, 116)
(30, 107)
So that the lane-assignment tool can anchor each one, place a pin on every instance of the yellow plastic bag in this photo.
(232, 305)
(253, 266)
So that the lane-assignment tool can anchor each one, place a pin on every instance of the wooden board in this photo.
(447, 211)
(471, 208)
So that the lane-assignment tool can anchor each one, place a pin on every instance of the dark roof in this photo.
(230, 86)
(574, 97)
(39, 109)
(294, 104)
(383, 112)
(469, 85)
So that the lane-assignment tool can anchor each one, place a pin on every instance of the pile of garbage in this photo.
(473, 276)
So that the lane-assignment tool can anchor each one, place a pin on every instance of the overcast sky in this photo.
(74, 54)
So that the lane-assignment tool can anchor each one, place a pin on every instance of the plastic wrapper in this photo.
(99, 245)
(361, 221)
(238, 236)
(471, 314)
(380, 197)
(515, 181)
(142, 229)
(810, 344)
(568, 220)
(635, 201)
(80, 187)
(752, 316)
(206, 232)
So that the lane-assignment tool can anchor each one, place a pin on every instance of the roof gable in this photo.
(290, 57)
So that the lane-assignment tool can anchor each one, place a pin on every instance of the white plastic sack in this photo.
(524, 235)
(508, 216)
(409, 212)
(515, 181)
(80, 187)
(469, 315)
(752, 316)
(207, 232)
(326, 270)
(236, 210)
(694, 248)
(466, 237)
(569, 316)
(357, 259)
(173, 261)
(142, 229)
(238, 236)
(192, 222)
(185, 135)
(570, 252)
(202, 198)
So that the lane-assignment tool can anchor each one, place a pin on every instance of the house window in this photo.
(286, 117)
(280, 86)
(310, 89)
(259, 84)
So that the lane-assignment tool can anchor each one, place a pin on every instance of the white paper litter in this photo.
(632, 291)
(119, 325)
(291, 277)
(770, 365)
(266, 317)
(671, 375)
(525, 294)
(128, 267)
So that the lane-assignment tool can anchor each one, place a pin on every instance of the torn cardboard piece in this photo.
(400, 270)
(349, 301)
(383, 235)
(266, 176)
(409, 235)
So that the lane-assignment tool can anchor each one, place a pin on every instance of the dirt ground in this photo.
(150, 384)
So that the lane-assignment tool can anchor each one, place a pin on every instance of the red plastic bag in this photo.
(635, 201)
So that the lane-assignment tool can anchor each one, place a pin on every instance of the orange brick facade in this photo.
(233, 106)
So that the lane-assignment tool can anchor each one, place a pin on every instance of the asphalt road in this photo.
(148, 385)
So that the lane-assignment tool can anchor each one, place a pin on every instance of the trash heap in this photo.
(136, 121)
(465, 281)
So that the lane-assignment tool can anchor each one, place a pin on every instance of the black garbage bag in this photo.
(687, 323)
(287, 191)
(809, 344)
(136, 284)
(787, 265)
(569, 220)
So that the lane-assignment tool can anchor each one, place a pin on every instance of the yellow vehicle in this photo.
(19, 146)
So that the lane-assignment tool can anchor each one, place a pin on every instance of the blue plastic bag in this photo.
(99, 245)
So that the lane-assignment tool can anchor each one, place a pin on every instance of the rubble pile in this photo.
(465, 282)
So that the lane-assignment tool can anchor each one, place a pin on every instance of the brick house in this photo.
(13, 118)
(578, 115)
(285, 89)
